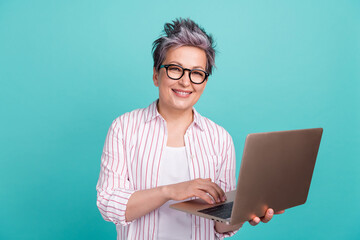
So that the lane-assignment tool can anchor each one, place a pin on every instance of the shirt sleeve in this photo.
(226, 174)
(113, 187)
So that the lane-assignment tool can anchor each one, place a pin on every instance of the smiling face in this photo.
(182, 94)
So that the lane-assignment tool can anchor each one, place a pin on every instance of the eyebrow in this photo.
(194, 67)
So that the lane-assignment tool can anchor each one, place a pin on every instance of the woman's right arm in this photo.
(121, 204)
(113, 187)
(144, 201)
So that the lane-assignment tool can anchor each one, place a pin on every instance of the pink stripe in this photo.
(224, 146)
(226, 174)
(105, 157)
(212, 145)
(152, 167)
(199, 228)
(118, 154)
(105, 211)
(209, 151)
(124, 158)
(154, 159)
(121, 233)
(208, 155)
(110, 200)
(115, 195)
(137, 119)
(137, 228)
(127, 126)
(137, 160)
(110, 207)
(148, 158)
(141, 176)
(202, 156)
(196, 228)
(191, 156)
(142, 158)
(124, 142)
(124, 162)
(113, 154)
(197, 158)
(157, 174)
(118, 150)
(205, 223)
(213, 132)
(217, 129)
(162, 148)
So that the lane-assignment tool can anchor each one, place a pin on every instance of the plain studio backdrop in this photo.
(68, 68)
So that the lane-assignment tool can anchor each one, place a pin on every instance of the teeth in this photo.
(182, 93)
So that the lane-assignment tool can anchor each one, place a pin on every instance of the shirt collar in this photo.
(151, 113)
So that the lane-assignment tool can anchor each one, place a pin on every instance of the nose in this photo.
(185, 79)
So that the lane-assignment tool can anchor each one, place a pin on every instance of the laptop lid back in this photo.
(276, 172)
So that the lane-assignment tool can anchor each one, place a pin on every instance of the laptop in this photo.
(276, 171)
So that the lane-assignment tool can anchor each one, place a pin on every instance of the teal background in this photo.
(68, 68)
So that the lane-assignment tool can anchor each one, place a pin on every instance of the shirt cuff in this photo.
(224, 235)
(113, 205)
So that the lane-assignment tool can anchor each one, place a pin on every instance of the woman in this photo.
(168, 152)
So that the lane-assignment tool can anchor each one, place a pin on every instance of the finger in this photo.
(211, 192)
(279, 212)
(219, 192)
(212, 189)
(201, 194)
(268, 215)
(209, 182)
(255, 221)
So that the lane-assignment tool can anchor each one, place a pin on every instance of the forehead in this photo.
(187, 56)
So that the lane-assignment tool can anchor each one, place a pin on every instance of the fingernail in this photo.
(271, 211)
(224, 198)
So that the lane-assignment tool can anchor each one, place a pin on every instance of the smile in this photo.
(181, 93)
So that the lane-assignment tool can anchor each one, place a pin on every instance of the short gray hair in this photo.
(183, 32)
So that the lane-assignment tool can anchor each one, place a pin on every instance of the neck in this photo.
(174, 116)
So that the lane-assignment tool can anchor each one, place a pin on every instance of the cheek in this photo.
(200, 89)
(164, 86)
(162, 80)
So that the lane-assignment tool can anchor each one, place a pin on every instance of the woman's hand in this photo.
(268, 216)
(144, 201)
(205, 189)
(222, 227)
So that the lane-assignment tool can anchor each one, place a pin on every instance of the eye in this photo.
(175, 68)
(198, 73)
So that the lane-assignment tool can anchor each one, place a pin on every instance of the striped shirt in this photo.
(131, 158)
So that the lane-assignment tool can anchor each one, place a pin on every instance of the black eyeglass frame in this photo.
(183, 72)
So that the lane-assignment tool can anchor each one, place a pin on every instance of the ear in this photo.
(156, 77)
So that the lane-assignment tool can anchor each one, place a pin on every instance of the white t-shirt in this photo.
(174, 168)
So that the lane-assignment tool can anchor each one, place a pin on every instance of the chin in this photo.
(183, 105)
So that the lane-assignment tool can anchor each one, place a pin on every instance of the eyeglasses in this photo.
(176, 72)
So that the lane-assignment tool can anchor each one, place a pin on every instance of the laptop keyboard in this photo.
(220, 211)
